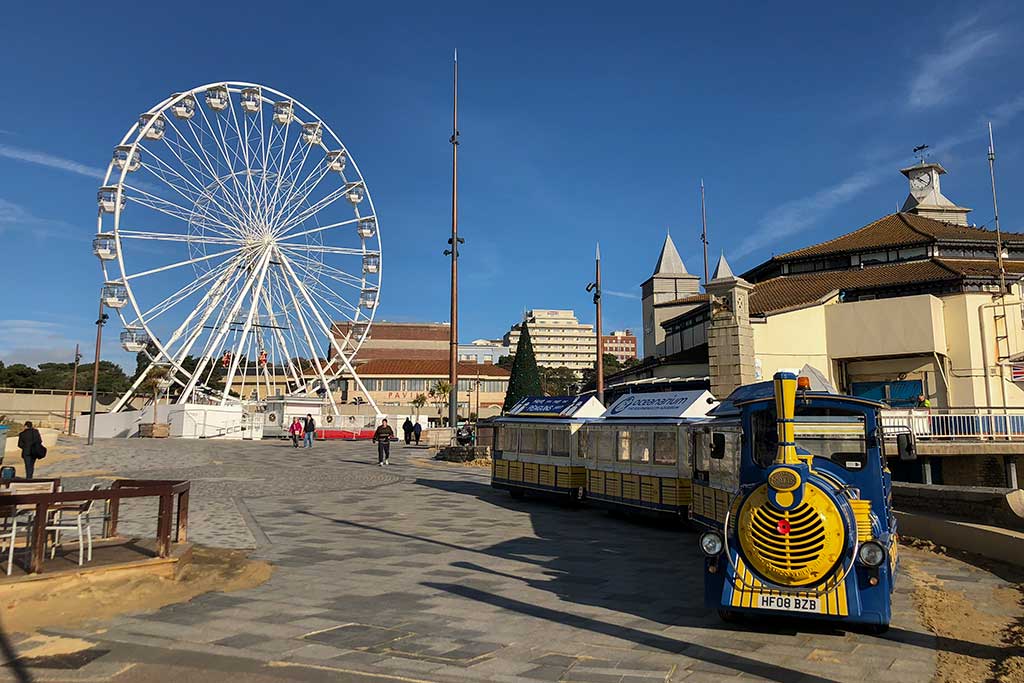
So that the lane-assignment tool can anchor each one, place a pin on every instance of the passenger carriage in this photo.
(808, 527)
(639, 455)
(535, 445)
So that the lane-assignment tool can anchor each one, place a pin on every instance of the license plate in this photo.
(788, 603)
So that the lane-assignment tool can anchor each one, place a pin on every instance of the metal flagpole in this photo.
(1000, 356)
(454, 241)
(704, 230)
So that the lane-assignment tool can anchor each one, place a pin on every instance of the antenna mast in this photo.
(995, 209)
(704, 231)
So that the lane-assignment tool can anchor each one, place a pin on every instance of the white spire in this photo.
(669, 262)
(598, 251)
(722, 270)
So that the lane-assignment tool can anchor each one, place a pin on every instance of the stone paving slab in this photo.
(423, 572)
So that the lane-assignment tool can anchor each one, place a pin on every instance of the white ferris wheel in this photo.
(240, 247)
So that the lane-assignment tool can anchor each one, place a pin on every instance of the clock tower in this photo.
(926, 199)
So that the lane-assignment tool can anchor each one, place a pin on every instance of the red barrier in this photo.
(347, 434)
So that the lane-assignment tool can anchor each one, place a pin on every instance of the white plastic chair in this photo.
(15, 517)
(81, 524)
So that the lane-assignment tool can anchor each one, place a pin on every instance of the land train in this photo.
(788, 484)
(809, 528)
(636, 455)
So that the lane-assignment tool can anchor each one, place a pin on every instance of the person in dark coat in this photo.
(417, 429)
(309, 431)
(407, 430)
(31, 443)
(382, 437)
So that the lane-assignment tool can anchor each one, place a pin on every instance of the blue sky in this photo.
(579, 123)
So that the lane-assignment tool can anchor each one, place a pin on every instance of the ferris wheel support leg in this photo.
(330, 336)
(309, 340)
(247, 327)
(226, 324)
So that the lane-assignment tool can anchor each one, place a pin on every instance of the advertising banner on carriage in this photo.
(557, 406)
(674, 404)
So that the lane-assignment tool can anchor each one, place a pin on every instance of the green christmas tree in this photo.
(525, 379)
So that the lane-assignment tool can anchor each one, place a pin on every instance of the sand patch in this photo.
(79, 599)
(973, 644)
(51, 646)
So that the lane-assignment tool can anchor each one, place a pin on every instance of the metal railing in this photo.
(957, 424)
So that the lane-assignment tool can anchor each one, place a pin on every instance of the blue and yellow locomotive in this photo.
(808, 529)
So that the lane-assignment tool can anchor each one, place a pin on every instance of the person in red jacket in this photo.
(296, 431)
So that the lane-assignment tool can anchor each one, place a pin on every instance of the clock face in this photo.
(921, 181)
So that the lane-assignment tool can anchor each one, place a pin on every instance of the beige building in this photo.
(621, 344)
(907, 304)
(395, 384)
(669, 291)
(558, 338)
(420, 341)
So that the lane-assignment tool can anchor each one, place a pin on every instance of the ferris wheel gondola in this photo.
(239, 244)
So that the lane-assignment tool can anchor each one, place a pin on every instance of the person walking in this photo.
(417, 429)
(31, 444)
(382, 437)
(296, 430)
(407, 430)
(309, 431)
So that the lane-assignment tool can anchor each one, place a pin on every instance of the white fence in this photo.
(959, 424)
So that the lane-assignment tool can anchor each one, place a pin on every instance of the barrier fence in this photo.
(965, 424)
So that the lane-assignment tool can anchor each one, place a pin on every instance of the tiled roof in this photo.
(692, 299)
(791, 291)
(898, 230)
(426, 368)
(384, 331)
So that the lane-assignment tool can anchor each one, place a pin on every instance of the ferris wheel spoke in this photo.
(173, 237)
(243, 145)
(321, 228)
(247, 326)
(321, 249)
(284, 203)
(222, 146)
(179, 296)
(181, 145)
(179, 264)
(199, 192)
(314, 209)
(204, 159)
(171, 208)
(299, 191)
(304, 189)
(314, 269)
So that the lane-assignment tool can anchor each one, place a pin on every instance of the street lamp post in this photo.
(595, 287)
(100, 322)
(454, 241)
(74, 391)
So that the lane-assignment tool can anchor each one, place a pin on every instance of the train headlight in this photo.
(711, 543)
(871, 554)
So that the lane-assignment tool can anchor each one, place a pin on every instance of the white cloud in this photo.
(50, 161)
(797, 214)
(33, 342)
(15, 216)
(940, 72)
(624, 295)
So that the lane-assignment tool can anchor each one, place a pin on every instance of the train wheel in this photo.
(729, 616)
(876, 629)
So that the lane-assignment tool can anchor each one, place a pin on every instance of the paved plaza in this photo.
(421, 572)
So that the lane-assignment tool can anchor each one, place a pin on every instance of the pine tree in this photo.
(525, 379)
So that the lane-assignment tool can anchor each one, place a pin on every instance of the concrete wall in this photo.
(996, 506)
(792, 340)
(885, 327)
(45, 409)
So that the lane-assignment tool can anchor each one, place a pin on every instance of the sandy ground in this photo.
(974, 644)
(57, 463)
(101, 596)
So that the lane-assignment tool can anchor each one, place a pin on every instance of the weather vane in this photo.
(921, 152)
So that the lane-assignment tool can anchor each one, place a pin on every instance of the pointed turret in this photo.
(669, 262)
(664, 295)
(722, 270)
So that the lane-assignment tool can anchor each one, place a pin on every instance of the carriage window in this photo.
(606, 444)
(640, 446)
(527, 440)
(560, 442)
(665, 449)
(583, 444)
(623, 451)
(702, 450)
(509, 439)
